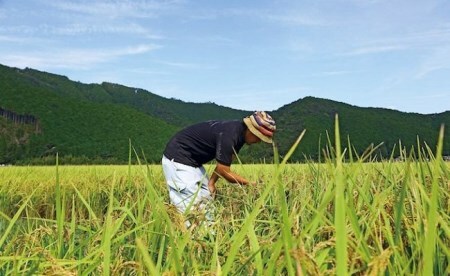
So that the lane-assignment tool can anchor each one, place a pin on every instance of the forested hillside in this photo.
(71, 123)
(362, 126)
(43, 114)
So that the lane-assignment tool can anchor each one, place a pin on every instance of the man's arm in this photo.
(212, 183)
(225, 172)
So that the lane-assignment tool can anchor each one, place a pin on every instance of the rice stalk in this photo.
(340, 221)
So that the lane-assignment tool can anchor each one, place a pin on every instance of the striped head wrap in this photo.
(261, 125)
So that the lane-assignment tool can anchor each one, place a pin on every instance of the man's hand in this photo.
(225, 172)
(212, 189)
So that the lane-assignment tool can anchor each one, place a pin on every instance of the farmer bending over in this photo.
(189, 149)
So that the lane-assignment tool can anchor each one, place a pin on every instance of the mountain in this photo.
(42, 114)
(362, 126)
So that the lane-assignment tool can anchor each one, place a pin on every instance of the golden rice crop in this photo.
(343, 216)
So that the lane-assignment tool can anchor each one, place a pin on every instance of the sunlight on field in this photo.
(337, 217)
(115, 219)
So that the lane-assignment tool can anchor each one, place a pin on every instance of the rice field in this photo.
(345, 216)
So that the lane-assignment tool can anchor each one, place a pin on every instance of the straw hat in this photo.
(262, 125)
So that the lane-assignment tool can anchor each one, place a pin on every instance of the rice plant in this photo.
(345, 215)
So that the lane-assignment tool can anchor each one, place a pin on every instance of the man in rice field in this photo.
(187, 151)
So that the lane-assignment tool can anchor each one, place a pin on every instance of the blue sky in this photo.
(251, 55)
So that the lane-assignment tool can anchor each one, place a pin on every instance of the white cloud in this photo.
(335, 73)
(187, 65)
(6, 38)
(295, 19)
(72, 58)
(124, 8)
(438, 60)
(145, 71)
(80, 29)
(374, 50)
(432, 39)
(430, 68)
(433, 96)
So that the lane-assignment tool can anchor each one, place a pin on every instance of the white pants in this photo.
(188, 186)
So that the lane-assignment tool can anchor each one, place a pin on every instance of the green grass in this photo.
(343, 216)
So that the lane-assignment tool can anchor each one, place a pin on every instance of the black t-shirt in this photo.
(200, 143)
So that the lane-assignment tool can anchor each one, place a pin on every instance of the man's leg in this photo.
(188, 186)
(206, 198)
